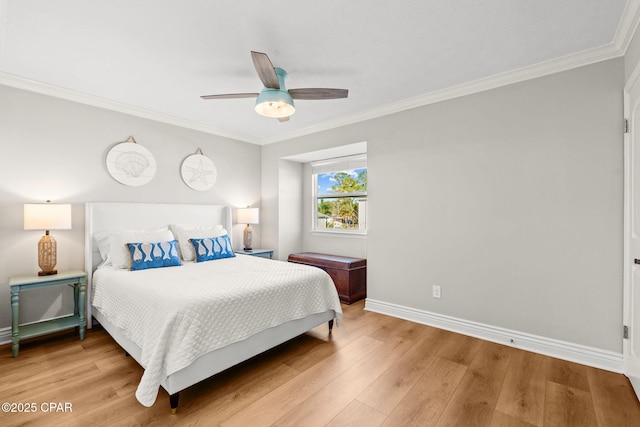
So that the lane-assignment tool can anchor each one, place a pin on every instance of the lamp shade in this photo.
(248, 216)
(47, 216)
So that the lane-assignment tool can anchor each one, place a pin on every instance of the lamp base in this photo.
(47, 250)
(47, 273)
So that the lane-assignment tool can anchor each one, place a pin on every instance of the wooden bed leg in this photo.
(330, 325)
(173, 401)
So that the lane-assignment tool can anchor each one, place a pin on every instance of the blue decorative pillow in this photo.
(211, 248)
(153, 255)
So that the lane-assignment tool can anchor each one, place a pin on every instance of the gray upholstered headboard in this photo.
(133, 216)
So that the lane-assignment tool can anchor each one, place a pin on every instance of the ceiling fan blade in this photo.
(265, 70)
(318, 93)
(230, 96)
(283, 119)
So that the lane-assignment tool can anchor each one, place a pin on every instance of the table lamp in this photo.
(248, 216)
(47, 216)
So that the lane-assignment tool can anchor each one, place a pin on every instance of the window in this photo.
(340, 194)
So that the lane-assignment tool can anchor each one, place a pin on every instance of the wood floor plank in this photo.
(568, 407)
(115, 410)
(23, 387)
(613, 399)
(80, 399)
(568, 374)
(224, 395)
(390, 388)
(273, 406)
(354, 376)
(319, 344)
(500, 419)
(394, 328)
(474, 401)
(326, 403)
(523, 391)
(34, 361)
(425, 402)
(357, 414)
(460, 349)
(363, 326)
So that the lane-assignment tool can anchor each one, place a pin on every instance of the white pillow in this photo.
(102, 240)
(119, 253)
(184, 232)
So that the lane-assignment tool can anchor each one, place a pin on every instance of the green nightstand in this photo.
(262, 253)
(75, 278)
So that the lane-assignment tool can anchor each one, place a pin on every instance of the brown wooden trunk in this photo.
(348, 274)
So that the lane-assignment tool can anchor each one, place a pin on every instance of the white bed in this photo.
(218, 354)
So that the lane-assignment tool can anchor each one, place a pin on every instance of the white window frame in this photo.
(358, 161)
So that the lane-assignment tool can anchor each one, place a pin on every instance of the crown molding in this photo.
(519, 75)
(541, 69)
(628, 25)
(120, 107)
(618, 47)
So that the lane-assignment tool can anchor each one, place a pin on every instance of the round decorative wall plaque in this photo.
(131, 164)
(199, 172)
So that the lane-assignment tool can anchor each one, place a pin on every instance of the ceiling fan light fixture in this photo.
(276, 109)
(275, 100)
(275, 103)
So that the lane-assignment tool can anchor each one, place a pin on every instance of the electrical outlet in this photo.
(436, 291)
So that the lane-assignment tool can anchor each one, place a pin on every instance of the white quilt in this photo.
(176, 314)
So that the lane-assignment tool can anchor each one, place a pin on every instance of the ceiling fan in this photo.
(275, 100)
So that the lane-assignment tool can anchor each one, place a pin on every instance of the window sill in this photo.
(349, 234)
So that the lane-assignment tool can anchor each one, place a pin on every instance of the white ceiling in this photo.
(154, 58)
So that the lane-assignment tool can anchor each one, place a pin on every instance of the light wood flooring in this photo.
(373, 370)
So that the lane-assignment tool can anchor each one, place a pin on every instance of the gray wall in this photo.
(511, 200)
(290, 203)
(56, 149)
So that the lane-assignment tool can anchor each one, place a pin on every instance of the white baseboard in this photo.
(5, 335)
(582, 354)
